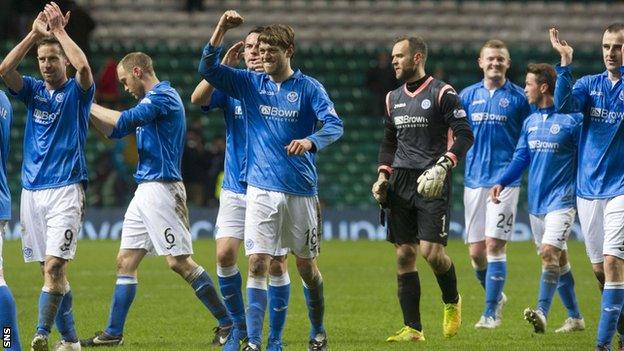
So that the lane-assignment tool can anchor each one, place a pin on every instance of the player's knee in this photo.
(278, 266)
(55, 268)
(226, 258)
(125, 264)
(308, 270)
(495, 246)
(181, 264)
(406, 256)
(550, 255)
(258, 265)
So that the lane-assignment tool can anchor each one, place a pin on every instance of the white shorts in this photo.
(3, 225)
(553, 228)
(485, 218)
(276, 221)
(51, 220)
(602, 223)
(231, 217)
(157, 220)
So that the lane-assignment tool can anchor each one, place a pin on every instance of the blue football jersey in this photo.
(548, 146)
(601, 146)
(276, 115)
(6, 116)
(235, 140)
(496, 122)
(56, 133)
(160, 126)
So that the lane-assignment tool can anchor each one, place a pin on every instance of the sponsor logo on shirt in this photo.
(292, 96)
(44, 117)
(540, 145)
(459, 113)
(399, 105)
(595, 93)
(425, 104)
(488, 117)
(478, 102)
(603, 115)
(503, 102)
(238, 110)
(266, 92)
(554, 129)
(40, 98)
(59, 97)
(276, 113)
(407, 121)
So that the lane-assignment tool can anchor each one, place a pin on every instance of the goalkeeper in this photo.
(426, 132)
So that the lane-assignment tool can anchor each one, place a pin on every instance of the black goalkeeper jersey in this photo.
(423, 125)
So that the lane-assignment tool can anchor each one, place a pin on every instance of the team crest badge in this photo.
(292, 96)
(459, 113)
(249, 244)
(554, 129)
(59, 97)
(503, 102)
(28, 252)
(425, 104)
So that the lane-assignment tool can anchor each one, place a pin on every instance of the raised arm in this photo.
(562, 47)
(8, 67)
(75, 55)
(569, 96)
(233, 82)
(203, 92)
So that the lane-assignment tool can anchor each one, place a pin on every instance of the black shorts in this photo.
(411, 217)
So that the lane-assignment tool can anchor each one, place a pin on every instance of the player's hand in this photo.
(40, 25)
(298, 147)
(562, 47)
(380, 189)
(233, 55)
(55, 17)
(431, 182)
(495, 193)
(230, 19)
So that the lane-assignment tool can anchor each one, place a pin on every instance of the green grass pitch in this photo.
(360, 294)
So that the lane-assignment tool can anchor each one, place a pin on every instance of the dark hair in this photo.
(257, 30)
(544, 74)
(137, 59)
(615, 27)
(416, 45)
(51, 41)
(278, 35)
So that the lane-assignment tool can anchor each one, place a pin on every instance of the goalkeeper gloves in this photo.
(380, 191)
(431, 182)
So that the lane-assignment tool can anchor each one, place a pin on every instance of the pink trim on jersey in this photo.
(444, 88)
(385, 168)
(422, 87)
(453, 157)
(388, 103)
(451, 139)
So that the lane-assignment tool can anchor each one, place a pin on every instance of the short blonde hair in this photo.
(137, 59)
(493, 44)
